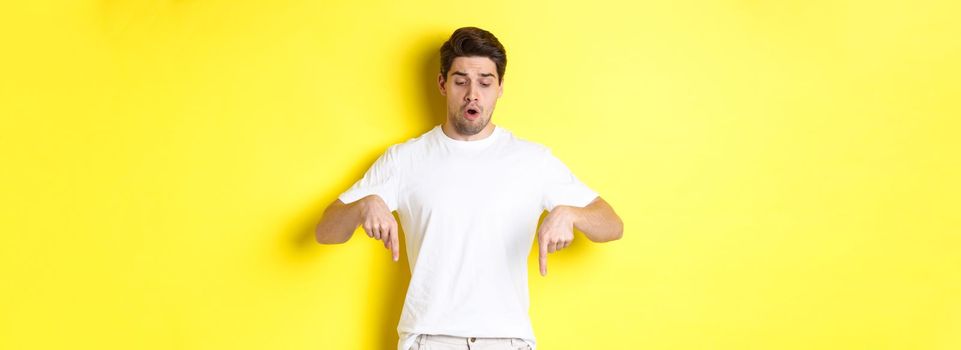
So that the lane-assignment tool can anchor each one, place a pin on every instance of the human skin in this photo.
(340, 220)
(597, 221)
(471, 84)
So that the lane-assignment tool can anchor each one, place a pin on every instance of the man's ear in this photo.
(440, 84)
(500, 89)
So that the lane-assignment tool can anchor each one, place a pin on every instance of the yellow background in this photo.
(787, 171)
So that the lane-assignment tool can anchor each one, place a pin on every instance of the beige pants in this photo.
(446, 342)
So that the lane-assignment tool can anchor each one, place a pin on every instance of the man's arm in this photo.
(597, 220)
(339, 222)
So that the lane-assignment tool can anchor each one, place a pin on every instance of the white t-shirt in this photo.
(469, 210)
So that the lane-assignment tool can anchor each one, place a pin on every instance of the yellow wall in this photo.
(787, 171)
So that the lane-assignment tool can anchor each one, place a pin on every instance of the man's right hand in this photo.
(379, 223)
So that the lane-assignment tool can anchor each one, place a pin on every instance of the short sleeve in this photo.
(561, 187)
(382, 179)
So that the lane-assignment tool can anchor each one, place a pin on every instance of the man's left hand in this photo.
(555, 233)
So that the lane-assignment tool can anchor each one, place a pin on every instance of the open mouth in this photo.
(472, 113)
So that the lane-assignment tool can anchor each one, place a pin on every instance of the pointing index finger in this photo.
(394, 244)
(542, 257)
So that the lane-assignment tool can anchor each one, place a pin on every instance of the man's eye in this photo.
(485, 85)
(459, 82)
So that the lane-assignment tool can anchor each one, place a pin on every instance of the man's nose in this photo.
(471, 95)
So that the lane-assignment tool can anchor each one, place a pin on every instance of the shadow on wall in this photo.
(434, 104)
(300, 245)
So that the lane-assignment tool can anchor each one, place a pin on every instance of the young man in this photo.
(469, 194)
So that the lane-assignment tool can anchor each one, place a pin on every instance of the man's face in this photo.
(472, 88)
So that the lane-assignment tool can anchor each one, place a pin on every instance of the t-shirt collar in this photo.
(467, 144)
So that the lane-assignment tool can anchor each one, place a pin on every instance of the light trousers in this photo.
(447, 342)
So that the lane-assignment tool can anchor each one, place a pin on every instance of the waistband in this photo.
(449, 339)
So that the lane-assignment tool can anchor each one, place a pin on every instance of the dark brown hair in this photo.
(473, 41)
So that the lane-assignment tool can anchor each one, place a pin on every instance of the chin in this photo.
(467, 127)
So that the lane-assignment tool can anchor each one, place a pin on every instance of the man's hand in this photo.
(555, 233)
(379, 223)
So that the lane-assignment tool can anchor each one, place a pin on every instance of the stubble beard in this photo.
(467, 127)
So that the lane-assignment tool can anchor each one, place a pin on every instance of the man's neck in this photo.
(451, 132)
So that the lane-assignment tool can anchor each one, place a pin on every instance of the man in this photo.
(468, 194)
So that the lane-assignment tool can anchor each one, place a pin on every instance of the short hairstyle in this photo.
(473, 41)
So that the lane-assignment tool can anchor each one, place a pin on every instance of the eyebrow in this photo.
(482, 74)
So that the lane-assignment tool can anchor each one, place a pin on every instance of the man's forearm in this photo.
(339, 222)
(597, 221)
